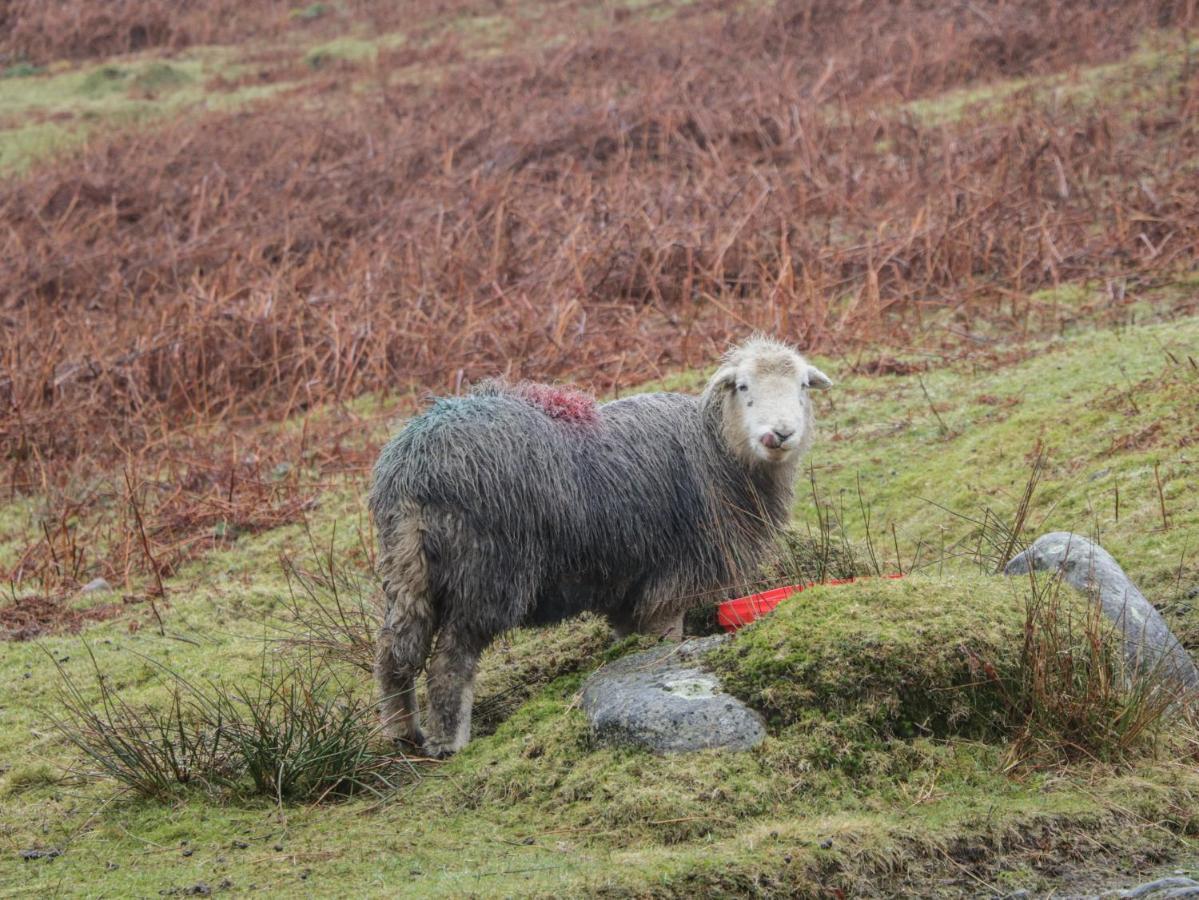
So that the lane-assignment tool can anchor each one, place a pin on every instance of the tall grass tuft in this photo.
(1074, 697)
(298, 736)
(292, 733)
(153, 751)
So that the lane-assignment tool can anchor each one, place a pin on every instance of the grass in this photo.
(352, 49)
(1155, 66)
(1108, 405)
(876, 740)
(913, 748)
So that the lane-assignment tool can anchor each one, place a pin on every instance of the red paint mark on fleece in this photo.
(562, 403)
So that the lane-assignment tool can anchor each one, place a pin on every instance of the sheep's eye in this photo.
(743, 387)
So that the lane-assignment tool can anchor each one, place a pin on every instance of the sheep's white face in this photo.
(767, 407)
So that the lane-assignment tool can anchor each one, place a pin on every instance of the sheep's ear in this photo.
(817, 380)
(724, 379)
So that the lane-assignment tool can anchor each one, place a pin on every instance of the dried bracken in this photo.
(40, 31)
(28, 618)
(603, 211)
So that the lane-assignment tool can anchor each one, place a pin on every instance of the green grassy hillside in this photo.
(884, 770)
(241, 248)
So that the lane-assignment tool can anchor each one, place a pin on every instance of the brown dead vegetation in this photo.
(171, 503)
(42, 31)
(603, 211)
(28, 618)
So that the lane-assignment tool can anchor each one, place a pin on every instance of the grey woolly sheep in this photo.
(525, 504)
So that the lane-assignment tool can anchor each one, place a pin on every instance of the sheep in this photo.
(522, 505)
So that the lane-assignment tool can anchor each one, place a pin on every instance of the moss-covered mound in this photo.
(894, 658)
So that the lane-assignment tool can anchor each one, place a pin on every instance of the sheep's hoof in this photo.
(409, 744)
(438, 750)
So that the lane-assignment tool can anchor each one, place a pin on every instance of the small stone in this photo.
(96, 584)
(36, 853)
(278, 848)
(188, 851)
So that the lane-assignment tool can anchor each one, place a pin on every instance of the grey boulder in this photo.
(1149, 645)
(661, 700)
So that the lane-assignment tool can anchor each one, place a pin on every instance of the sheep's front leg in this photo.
(451, 674)
(659, 616)
(665, 626)
(623, 623)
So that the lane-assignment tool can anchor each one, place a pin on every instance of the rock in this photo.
(96, 584)
(38, 853)
(1153, 890)
(661, 700)
(1149, 645)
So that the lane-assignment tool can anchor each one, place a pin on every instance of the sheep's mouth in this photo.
(773, 454)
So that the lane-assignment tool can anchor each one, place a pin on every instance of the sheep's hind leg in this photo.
(451, 673)
(622, 623)
(407, 633)
(400, 654)
(402, 647)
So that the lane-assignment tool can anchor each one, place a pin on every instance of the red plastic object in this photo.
(732, 614)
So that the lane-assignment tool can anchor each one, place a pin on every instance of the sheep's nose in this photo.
(775, 438)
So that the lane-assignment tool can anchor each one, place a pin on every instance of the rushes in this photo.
(292, 733)
(1074, 697)
(297, 735)
(153, 751)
